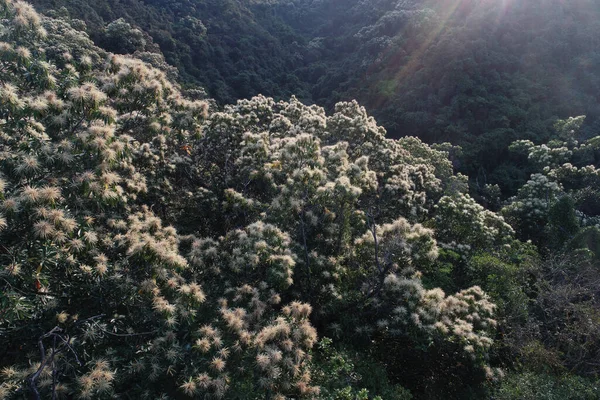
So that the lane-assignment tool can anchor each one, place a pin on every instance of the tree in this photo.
(121, 38)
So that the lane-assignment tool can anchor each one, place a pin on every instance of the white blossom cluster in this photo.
(563, 168)
(463, 224)
(552, 154)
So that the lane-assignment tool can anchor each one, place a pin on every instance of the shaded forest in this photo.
(179, 220)
(477, 73)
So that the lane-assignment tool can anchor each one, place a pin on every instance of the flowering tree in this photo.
(560, 199)
(153, 245)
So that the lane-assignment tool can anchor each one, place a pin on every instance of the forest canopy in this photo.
(477, 73)
(156, 243)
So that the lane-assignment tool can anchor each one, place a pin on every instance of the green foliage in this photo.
(528, 385)
(505, 280)
(561, 331)
(120, 37)
(154, 245)
(563, 223)
(346, 376)
(234, 49)
(588, 239)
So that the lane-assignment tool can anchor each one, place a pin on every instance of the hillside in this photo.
(476, 73)
(479, 74)
(232, 49)
(155, 244)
